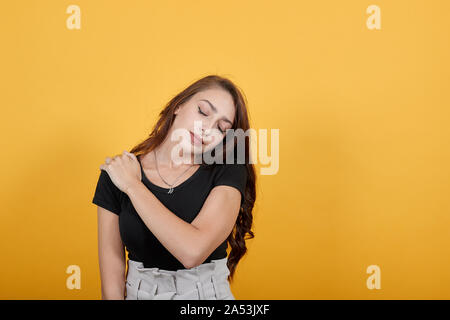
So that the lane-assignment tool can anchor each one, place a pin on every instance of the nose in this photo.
(207, 126)
(205, 136)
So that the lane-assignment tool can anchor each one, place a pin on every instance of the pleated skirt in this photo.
(207, 281)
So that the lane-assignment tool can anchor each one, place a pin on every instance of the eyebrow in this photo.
(215, 110)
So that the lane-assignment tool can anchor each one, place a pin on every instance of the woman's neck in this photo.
(164, 156)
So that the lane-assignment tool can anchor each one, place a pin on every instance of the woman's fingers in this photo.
(128, 155)
(132, 155)
(125, 154)
(116, 157)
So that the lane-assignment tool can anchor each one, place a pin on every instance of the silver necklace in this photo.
(170, 185)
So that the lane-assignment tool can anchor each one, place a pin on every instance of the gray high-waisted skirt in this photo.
(208, 281)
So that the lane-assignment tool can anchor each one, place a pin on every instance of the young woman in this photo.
(177, 219)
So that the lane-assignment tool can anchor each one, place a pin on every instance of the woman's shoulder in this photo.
(228, 170)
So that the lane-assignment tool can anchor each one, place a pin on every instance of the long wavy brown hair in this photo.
(242, 228)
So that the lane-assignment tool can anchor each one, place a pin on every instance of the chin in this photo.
(200, 151)
(189, 149)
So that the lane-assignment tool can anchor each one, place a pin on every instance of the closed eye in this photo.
(200, 111)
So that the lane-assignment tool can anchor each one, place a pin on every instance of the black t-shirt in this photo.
(186, 201)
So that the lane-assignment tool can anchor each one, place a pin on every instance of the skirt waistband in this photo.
(216, 266)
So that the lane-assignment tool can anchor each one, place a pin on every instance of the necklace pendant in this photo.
(170, 190)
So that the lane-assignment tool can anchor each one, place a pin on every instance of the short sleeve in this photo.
(234, 175)
(107, 195)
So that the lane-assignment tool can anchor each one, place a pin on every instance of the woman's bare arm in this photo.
(111, 253)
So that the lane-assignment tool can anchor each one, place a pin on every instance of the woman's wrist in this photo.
(133, 187)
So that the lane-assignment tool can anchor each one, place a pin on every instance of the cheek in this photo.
(187, 117)
(216, 141)
(215, 138)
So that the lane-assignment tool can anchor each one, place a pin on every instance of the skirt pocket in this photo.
(129, 294)
(222, 289)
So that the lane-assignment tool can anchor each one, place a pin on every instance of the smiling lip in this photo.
(195, 138)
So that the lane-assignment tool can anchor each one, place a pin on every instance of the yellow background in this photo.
(364, 136)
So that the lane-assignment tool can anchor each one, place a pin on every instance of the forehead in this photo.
(220, 98)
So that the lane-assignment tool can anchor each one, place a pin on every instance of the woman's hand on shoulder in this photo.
(123, 169)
